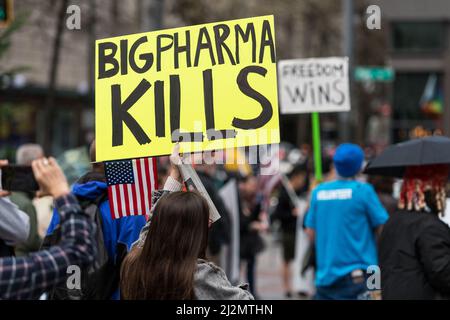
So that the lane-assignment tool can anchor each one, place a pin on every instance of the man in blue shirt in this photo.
(343, 219)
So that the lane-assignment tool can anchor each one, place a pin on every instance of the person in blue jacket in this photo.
(117, 234)
(343, 220)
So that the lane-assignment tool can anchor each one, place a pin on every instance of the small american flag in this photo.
(130, 186)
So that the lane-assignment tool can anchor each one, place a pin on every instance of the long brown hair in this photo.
(164, 267)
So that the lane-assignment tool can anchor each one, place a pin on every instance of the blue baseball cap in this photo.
(348, 159)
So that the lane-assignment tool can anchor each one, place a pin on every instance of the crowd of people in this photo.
(350, 223)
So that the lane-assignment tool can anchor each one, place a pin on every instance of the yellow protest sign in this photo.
(211, 86)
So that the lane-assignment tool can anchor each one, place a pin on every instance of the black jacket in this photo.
(219, 233)
(414, 257)
(5, 250)
(283, 212)
(251, 243)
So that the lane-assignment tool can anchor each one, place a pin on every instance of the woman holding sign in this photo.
(168, 262)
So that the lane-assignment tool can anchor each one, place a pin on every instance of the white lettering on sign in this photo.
(340, 194)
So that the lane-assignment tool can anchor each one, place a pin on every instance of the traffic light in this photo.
(6, 12)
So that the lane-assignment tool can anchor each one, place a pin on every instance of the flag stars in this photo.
(119, 172)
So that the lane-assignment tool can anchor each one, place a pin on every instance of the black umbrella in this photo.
(423, 151)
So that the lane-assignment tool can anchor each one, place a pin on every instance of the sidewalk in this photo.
(268, 277)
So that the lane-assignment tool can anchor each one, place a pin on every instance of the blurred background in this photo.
(400, 79)
(401, 72)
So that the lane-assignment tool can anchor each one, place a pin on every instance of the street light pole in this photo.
(347, 45)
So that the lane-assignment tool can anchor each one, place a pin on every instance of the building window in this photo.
(418, 101)
(418, 36)
(17, 126)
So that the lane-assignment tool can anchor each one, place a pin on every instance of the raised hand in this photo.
(50, 178)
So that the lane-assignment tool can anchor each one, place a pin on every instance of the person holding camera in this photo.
(25, 155)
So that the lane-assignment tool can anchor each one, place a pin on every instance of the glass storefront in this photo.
(418, 36)
(71, 125)
(418, 103)
(17, 126)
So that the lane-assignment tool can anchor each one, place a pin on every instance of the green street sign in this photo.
(374, 74)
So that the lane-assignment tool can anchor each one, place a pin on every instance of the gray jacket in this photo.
(210, 281)
(14, 223)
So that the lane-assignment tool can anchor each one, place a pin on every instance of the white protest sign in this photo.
(314, 85)
(193, 182)
(229, 195)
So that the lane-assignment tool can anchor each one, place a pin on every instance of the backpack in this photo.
(100, 280)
